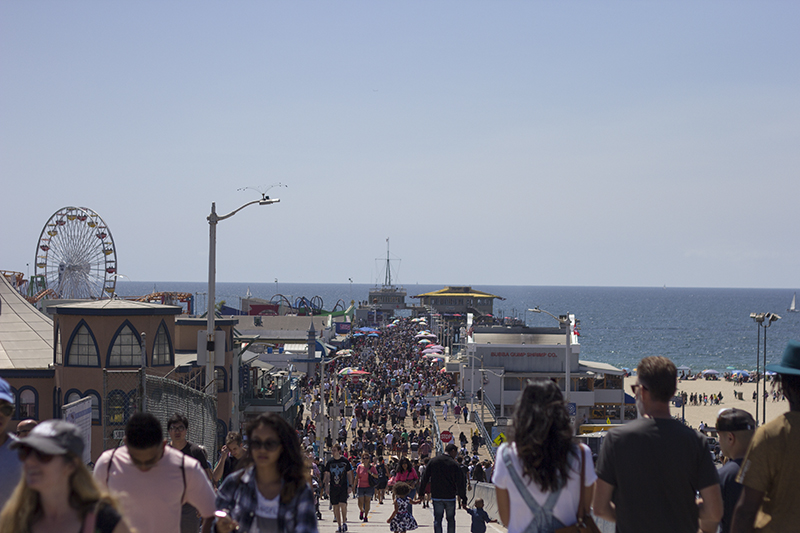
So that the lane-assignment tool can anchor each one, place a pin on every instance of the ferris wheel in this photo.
(75, 256)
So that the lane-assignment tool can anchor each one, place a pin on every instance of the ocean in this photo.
(699, 328)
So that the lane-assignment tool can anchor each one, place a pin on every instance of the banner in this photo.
(79, 413)
(342, 328)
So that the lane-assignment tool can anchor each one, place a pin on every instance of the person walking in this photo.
(735, 428)
(364, 488)
(771, 469)
(447, 483)
(338, 477)
(274, 492)
(650, 470)
(57, 491)
(402, 520)
(177, 427)
(10, 465)
(543, 474)
(153, 480)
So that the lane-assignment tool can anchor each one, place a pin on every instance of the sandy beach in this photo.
(708, 414)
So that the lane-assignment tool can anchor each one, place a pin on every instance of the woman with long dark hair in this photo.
(539, 473)
(273, 491)
(407, 474)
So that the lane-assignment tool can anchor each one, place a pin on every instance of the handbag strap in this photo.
(582, 458)
(533, 505)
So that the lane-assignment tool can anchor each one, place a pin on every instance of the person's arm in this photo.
(602, 504)
(216, 475)
(503, 505)
(710, 508)
(744, 514)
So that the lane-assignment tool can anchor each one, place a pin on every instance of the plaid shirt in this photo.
(238, 494)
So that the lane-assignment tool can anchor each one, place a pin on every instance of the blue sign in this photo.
(572, 408)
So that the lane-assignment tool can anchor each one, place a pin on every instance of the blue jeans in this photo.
(440, 507)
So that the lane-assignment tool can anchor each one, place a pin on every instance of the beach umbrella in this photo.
(709, 371)
(345, 352)
(423, 341)
(436, 346)
(682, 367)
(358, 334)
(350, 371)
(740, 373)
(429, 351)
(730, 368)
(373, 335)
(444, 369)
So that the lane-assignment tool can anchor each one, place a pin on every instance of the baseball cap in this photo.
(54, 437)
(735, 420)
(790, 362)
(5, 391)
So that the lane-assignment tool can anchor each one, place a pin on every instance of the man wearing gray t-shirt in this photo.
(650, 470)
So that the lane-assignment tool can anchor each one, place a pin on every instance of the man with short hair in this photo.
(152, 480)
(771, 467)
(231, 456)
(10, 465)
(25, 427)
(338, 478)
(177, 426)
(447, 482)
(650, 470)
(735, 428)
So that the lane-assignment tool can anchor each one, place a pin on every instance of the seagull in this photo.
(263, 189)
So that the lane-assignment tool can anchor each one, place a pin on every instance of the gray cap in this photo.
(54, 437)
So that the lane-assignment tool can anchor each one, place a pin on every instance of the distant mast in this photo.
(387, 282)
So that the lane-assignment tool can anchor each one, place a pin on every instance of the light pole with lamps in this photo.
(563, 320)
(762, 320)
(324, 404)
(213, 219)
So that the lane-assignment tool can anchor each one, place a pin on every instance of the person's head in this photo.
(658, 377)
(789, 374)
(233, 441)
(51, 457)
(735, 428)
(337, 450)
(6, 405)
(401, 490)
(272, 443)
(25, 427)
(144, 439)
(365, 459)
(543, 433)
(405, 465)
(177, 425)
(479, 503)
(451, 450)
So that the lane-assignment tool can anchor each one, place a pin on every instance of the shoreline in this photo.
(695, 414)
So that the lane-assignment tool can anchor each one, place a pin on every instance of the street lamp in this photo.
(213, 219)
(472, 384)
(324, 421)
(563, 320)
(762, 320)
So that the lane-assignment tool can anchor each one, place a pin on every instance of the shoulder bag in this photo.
(585, 523)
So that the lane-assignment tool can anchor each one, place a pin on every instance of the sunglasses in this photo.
(26, 451)
(636, 385)
(176, 428)
(269, 445)
(7, 409)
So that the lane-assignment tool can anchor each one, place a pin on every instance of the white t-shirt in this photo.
(266, 519)
(566, 506)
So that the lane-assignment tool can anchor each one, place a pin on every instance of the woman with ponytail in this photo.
(539, 472)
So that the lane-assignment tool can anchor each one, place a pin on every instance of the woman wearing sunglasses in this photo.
(273, 492)
(57, 492)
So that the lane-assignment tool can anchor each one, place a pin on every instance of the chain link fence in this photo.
(165, 397)
(127, 393)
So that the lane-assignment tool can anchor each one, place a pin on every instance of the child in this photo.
(402, 520)
(479, 517)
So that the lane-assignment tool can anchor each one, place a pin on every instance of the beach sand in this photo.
(708, 414)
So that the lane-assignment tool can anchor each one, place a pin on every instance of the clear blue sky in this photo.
(533, 143)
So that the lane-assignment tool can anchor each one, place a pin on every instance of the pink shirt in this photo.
(362, 476)
(151, 501)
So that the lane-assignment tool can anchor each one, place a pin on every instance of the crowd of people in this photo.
(647, 477)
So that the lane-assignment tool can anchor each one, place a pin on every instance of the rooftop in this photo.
(26, 335)
(468, 292)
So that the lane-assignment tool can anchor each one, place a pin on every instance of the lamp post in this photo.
(769, 318)
(323, 404)
(563, 320)
(213, 219)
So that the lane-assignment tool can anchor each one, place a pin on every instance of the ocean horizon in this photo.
(697, 327)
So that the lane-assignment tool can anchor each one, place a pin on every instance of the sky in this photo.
(493, 143)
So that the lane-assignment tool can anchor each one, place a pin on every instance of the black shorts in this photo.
(338, 495)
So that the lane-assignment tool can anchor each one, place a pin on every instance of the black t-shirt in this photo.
(731, 490)
(106, 519)
(193, 450)
(232, 464)
(656, 466)
(338, 469)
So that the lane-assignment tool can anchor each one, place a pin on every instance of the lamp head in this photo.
(266, 200)
(535, 310)
(758, 317)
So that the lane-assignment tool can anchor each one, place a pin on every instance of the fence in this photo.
(485, 434)
(437, 441)
(127, 393)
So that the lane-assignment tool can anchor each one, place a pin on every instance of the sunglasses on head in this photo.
(7, 409)
(26, 451)
(269, 445)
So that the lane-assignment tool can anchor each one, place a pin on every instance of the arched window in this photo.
(28, 403)
(82, 350)
(126, 348)
(220, 376)
(162, 347)
(72, 396)
(96, 412)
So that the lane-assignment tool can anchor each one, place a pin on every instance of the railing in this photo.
(437, 443)
(476, 417)
(489, 405)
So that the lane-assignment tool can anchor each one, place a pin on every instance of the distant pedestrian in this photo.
(177, 426)
(735, 428)
(465, 412)
(10, 465)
